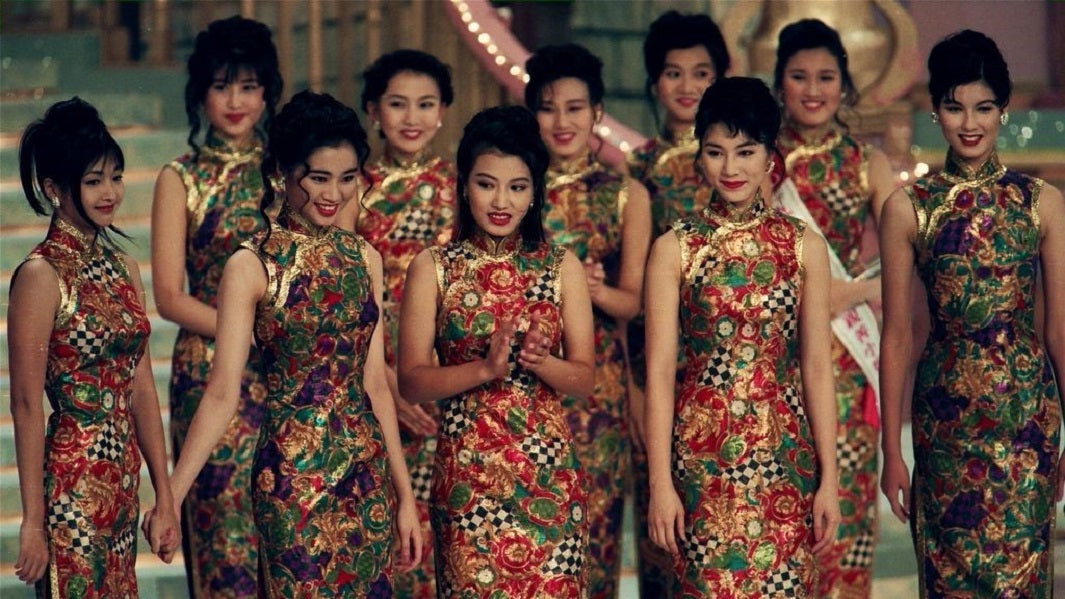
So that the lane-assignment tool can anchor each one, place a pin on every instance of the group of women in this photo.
(384, 360)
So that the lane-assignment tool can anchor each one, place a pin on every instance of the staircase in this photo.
(148, 122)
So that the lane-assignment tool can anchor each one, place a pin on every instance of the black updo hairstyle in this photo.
(375, 78)
(63, 146)
(508, 131)
(551, 63)
(813, 34)
(674, 31)
(967, 57)
(233, 44)
(307, 123)
(742, 105)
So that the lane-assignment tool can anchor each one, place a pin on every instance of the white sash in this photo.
(857, 327)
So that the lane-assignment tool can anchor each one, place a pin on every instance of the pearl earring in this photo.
(1004, 118)
(935, 118)
(55, 201)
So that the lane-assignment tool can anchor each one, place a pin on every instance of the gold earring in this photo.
(935, 118)
(1004, 118)
(55, 201)
(278, 185)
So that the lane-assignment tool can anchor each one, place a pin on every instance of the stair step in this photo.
(118, 110)
(20, 77)
(144, 149)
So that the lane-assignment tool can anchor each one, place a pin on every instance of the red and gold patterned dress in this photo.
(508, 499)
(583, 213)
(92, 461)
(221, 546)
(666, 167)
(986, 416)
(830, 175)
(743, 456)
(323, 495)
(409, 208)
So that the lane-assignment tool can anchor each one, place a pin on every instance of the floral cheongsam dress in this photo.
(323, 494)
(221, 546)
(508, 499)
(743, 456)
(91, 458)
(666, 167)
(583, 213)
(830, 175)
(409, 208)
(985, 407)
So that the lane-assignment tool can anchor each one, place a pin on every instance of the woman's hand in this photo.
(163, 533)
(409, 535)
(665, 519)
(414, 418)
(497, 361)
(895, 483)
(826, 516)
(536, 346)
(596, 278)
(32, 553)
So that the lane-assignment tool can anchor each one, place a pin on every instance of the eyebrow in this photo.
(402, 97)
(697, 65)
(749, 142)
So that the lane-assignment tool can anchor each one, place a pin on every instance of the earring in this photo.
(439, 124)
(935, 118)
(55, 201)
(1004, 118)
(278, 185)
(598, 117)
(377, 125)
(769, 167)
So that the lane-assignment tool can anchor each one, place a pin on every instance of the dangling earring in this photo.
(1004, 118)
(278, 185)
(935, 118)
(55, 202)
(377, 125)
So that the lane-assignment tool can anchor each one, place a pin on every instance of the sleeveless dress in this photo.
(409, 208)
(91, 458)
(985, 407)
(830, 175)
(666, 167)
(583, 213)
(322, 491)
(221, 546)
(743, 457)
(508, 498)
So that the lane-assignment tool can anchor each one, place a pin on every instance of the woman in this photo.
(683, 55)
(985, 407)
(603, 217)
(481, 328)
(78, 333)
(836, 182)
(410, 207)
(329, 480)
(742, 289)
(206, 204)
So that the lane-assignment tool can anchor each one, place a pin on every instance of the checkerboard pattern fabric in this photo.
(543, 289)
(860, 554)
(782, 584)
(838, 199)
(792, 399)
(64, 513)
(848, 455)
(783, 298)
(417, 227)
(89, 340)
(101, 270)
(125, 540)
(698, 551)
(567, 557)
(753, 471)
(486, 515)
(543, 452)
(704, 275)
(717, 371)
(108, 445)
(453, 419)
(421, 481)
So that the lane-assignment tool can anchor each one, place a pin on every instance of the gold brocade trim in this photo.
(568, 172)
(734, 219)
(623, 200)
(558, 253)
(687, 144)
(226, 152)
(198, 190)
(863, 169)
(800, 241)
(1037, 187)
(685, 251)
(991, 170)
(484, 245)
(805, 150)
(303, 226)
(87, 247)
(438, 265)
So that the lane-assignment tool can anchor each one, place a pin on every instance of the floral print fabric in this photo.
(830, 177)
(508, 499)
(224, 188)
(743, 457)
(92, 461)
(985, 408)
(323, 496)
(408, 209)
(583, 213)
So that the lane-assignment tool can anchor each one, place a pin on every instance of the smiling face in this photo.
(409, 111)
(329, 181)
(686, 75)
(234, 107)
(102, 191)
(500, 192)
(566, 117)
(970, 122)
(812, 88)
(734, 165)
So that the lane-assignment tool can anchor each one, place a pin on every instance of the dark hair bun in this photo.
(967, 57)
(551, 63)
